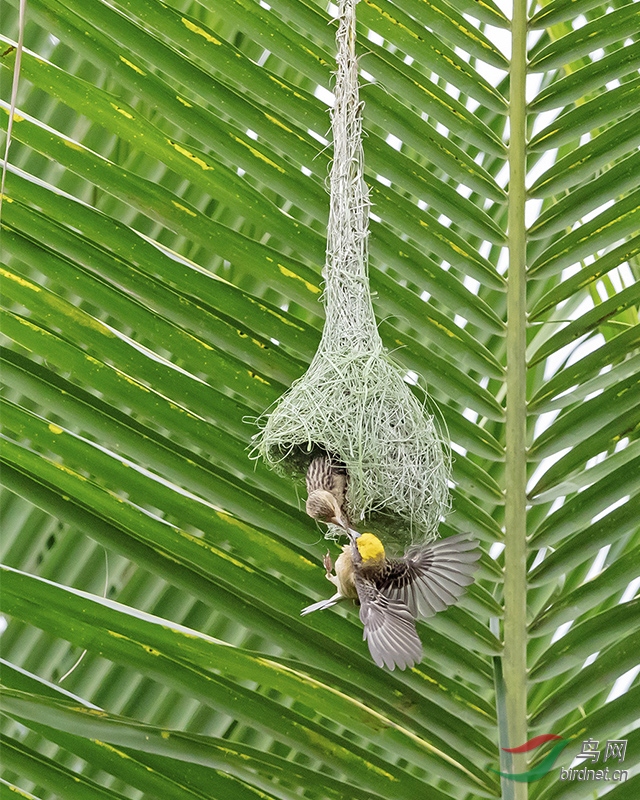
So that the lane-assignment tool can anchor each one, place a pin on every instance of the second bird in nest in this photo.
(327, 487)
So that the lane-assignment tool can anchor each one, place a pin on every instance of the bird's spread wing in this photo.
(389, 628)
(432, 577)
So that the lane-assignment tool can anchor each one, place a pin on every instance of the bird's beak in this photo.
(340, 521)
(352, 534)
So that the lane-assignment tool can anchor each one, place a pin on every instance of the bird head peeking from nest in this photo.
(322, 505)
(326, 487)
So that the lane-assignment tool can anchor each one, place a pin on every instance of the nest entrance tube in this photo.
(353, 402)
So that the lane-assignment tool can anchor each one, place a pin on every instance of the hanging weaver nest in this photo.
(353, 402)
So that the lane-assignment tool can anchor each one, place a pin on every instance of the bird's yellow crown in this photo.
(370, 547)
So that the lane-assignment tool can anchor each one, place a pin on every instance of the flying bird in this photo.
(394, 593)
(326, 488)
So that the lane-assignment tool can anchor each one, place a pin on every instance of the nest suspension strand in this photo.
(353, 402)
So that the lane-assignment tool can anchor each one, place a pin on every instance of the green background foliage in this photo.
(162, 243)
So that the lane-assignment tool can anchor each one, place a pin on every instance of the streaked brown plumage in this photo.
(326, 487)
(394, 593)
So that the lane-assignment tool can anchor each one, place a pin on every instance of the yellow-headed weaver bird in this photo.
(326, 487)
(393, 592)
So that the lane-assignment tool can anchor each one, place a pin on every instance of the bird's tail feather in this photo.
(321, 604)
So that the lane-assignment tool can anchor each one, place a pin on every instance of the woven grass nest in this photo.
(354, 402)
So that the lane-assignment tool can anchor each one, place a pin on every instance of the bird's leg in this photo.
(328, 564)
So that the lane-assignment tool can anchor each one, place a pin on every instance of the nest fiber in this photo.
(354, 402)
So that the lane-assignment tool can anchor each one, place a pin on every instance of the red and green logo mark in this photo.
(543, 767)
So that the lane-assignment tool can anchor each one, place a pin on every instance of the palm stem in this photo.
(515, 486)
